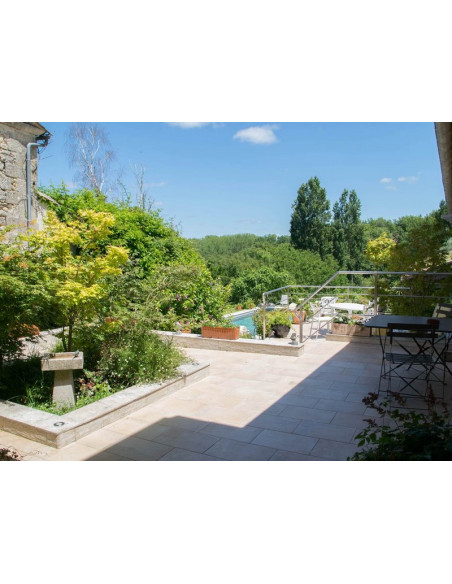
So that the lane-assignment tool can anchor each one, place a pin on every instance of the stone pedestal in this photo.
(63, 364)
(63, 389)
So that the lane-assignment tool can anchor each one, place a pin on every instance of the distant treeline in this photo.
(320, 244)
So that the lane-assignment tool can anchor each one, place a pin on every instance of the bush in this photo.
(135, 355)
(416, 436)
(16, 310)
(19, 375)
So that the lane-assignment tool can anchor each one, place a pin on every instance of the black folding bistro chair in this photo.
(409, 359)
(443, 341)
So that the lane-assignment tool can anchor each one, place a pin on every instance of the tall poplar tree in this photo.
(348, 231)
(309, 226)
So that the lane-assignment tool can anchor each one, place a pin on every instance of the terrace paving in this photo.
(251, 407)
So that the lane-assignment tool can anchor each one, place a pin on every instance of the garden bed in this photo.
(59, 431)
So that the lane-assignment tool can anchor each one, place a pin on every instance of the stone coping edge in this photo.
(189, 341)
(41, 426)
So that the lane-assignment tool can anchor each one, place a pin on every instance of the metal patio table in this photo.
(381, 321)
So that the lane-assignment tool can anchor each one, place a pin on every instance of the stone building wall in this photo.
(14, 137)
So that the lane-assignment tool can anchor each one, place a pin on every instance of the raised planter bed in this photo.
(211, 332)
(350, 330)
(59, 431)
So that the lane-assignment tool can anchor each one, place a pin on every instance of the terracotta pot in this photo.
(211, 332)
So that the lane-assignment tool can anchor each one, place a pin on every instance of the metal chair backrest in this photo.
(443, 311)
(327, 300)
(427, 332)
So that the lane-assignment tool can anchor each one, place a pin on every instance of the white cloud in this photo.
(386, 180)
(189, 125)
(391, 188)
(408, 179)
(257, 135)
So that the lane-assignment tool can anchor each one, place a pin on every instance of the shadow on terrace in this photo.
(253, 407)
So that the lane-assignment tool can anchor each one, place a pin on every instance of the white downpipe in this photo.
(29, 147)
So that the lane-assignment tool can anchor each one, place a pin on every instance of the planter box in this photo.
(350, 330)
(210, 332)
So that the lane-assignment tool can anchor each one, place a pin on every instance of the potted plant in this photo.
(185, 326)
(277, 323)
(222, 329)
(343, 325)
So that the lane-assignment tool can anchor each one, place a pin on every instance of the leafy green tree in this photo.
(24, 303)
(374, 228)
(150, 240)
(423, 249)
(233, 257)
(348, 231)
(74, 267)
(378, 251)
(252, 285)
(309, 226)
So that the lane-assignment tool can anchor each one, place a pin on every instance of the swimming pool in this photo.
(245, 319)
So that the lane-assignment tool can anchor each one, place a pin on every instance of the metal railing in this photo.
(400, 291)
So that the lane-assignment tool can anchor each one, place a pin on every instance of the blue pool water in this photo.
(245, 320)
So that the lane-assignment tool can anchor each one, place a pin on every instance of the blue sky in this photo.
(224, 178)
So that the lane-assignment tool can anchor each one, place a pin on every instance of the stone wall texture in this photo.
(14, 137)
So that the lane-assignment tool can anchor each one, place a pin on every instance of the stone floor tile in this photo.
(73, 452)
(233, 450)
(130, 426)
(218, 399)
(368, 380)
(246, 434)
(24, 446)
(327, 376)
(308, 414)
(138, 449)
(286, 441)
(340, 406)
(185, 455)
(311, 384)
(356, 397)
(275, 409)
(103, 439)
(319, 393)
(186, 439)
(183, 422)
(304, 401)
(107, 456)
(284, 455)
(327, 431)
(350, 420)
(333, 450)
(271, 422)
(237, 416)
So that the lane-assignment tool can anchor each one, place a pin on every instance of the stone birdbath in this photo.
(63, 365)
